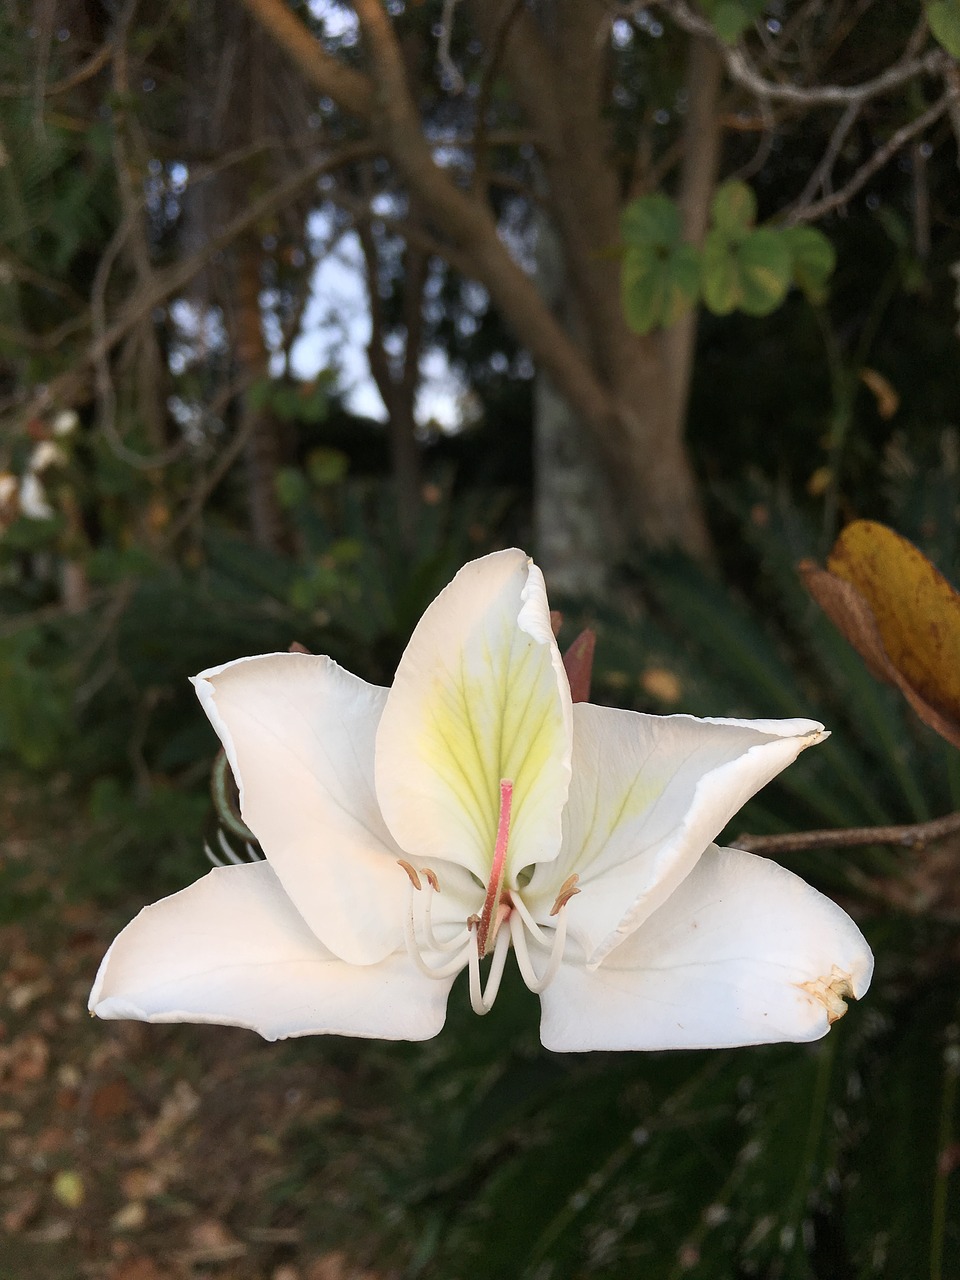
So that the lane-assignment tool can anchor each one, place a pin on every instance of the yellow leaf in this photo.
(900, 614)
(884, 392)
(819, 482)
(68, 1188)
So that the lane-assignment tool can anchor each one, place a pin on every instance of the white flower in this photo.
(470, 811)
(65, 423)
(33, 498)
(46, 454)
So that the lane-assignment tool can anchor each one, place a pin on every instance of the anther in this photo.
(412, 873)
(568, 890)
(431, 877)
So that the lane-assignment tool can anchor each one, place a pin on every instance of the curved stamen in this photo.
(534, 981)
(482, 1001)
(430, 937)
(413, 951)
(229, 853)
(523, 910)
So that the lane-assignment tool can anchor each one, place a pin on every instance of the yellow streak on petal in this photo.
(500, 716)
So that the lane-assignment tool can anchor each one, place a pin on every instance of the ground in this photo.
(134, 1152)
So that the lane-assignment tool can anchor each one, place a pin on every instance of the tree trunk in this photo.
(261, 453)
(576, 538)
(698, 177)
(398, 386)
(618, 384)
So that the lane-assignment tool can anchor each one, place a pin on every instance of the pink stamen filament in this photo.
(490, 913)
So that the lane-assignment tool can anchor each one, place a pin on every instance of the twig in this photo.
(447, 65)
(913, 836)
(82, 73)
(481, 180)
(820, 178)
(807, 213)
(744, 73)
(225, 460)
(173, 278)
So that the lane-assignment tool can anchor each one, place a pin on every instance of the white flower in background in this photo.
(33, 498)
(65, 423)
(470, 811)
(46, 454)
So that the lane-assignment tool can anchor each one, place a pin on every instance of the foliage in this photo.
(731, 18)
(740, 267)
(944, 19)
(822, 1162)
(769, 1162)
(104, 693)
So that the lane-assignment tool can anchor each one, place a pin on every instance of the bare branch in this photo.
(82, 73)
(808, 213)
(916, 835)
(168, 282)
(447, 64)
(351, 90)
(820, 178)
(742, 71)
(225, 459)
(484, 139)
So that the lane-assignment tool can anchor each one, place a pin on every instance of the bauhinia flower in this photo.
(471, 811)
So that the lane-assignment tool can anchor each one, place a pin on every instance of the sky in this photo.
(336, 330)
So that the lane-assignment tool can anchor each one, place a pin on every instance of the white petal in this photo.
(232, 949)
(299, 733)
(743, 952)
(648, 795)
(33, 499)
(480, 695)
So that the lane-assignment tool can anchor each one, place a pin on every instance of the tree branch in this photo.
(808, 213)
(82, 73)
(742, 71)
(166, 283)
(820, 178)
(916, 835)
(472, 241)
(351, 90)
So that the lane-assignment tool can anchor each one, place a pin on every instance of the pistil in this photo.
(490, 915)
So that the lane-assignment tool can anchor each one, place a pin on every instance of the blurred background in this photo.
(302, 306)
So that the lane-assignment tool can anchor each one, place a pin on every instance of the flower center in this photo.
(483, 931)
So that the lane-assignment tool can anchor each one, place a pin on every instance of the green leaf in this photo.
(650, 221)
(291, 487)
(730, 18)
(813, 259)
(734, 208)
(752, 273)
(721, 281)
(944, 19)
(659, 285)
(327, 466)
(765, 271)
